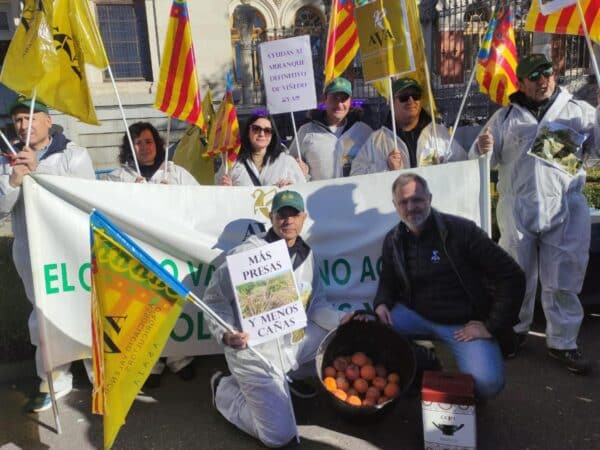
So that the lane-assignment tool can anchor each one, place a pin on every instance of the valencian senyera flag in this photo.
(385, 41)
(497, 58)
(135, 304)
(194, 144)
(342, 38)
(178, 93)
(224, 137)
(56, 72)
(566, 19)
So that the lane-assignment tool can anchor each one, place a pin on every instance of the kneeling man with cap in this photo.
(253, 398)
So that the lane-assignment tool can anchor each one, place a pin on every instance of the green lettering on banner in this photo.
(170, 263)
(188, 333)
(49, 278)
(201, 335)
(367, 270)
(84, 267)
(324, 272)
(347, 306)
(209, 273)
(379, 265)
(65, 281)
(195, 273)
(334, 271)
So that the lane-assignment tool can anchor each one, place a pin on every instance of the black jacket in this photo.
(493, 280)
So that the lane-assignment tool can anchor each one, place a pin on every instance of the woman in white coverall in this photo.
(150, 153)
(253, 398)
(542, 214)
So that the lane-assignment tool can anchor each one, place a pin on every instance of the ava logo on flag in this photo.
(263, 200)
(378, 18)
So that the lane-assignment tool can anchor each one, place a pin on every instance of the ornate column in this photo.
(243, 18)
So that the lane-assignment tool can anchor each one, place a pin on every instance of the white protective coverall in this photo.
(72, 161)
(542, 214)
(324, 152)
(253, 398)
(176, 175)
(284, 167)
(372, 157)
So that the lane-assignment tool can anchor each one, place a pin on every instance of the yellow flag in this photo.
(31, 54)
(193, 145)
(135, 304)
(385, 41)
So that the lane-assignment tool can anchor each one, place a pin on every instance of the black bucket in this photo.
(380, 343)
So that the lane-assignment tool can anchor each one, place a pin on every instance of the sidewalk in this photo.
(542, 407)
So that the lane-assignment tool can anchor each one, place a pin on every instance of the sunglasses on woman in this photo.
(537, 74)
(257, 129)
(403, 98)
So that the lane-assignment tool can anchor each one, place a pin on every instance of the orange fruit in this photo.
(393, 377)
(359, 358)
(352, 372)
(340, 363)
(330, 384)
(342, 383)
(391, 390)
(340, 394)
(329, 371)
(382, 399)
(367, 372)
(380, 370)
(379, 383)
(353, 400)
(368, 402)
(373, 393)
(361, 385)
(352, 391)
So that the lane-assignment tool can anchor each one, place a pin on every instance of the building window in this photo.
(124, 31)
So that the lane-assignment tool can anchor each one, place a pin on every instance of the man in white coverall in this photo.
(253, 398)
(542, 214)
(46, 154)
(416, 143)
(332, 138)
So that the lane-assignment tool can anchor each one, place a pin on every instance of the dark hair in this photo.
(274, 149)
(126, 155)
(409, 177)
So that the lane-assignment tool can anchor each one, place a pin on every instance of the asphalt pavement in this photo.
(543, 407)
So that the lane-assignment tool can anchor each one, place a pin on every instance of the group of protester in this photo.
(442, 277)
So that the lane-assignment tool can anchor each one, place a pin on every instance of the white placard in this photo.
(288, 75)
(265, 290)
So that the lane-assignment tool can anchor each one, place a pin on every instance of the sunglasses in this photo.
(537, 74)
(257, 129)
(403, 98)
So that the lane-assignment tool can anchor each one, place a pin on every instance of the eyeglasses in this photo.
(537, 74)
(416, 96)
(257, 129)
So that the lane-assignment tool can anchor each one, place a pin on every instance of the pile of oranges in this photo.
(357, 381)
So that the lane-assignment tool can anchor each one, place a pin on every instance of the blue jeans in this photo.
(481, 357)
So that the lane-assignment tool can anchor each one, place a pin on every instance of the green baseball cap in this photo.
(24, 102)
(287, 198)
(339, 84)
(403, 83)
(530, 63)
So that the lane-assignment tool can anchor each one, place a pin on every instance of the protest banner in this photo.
(386, 47)
(288, 74)
(265, 289)
(189, 241)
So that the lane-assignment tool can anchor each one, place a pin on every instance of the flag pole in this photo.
(7, 142)
(127, 132)
(588, 40)
(166, 171)
(393, 113)
(296, 135)
(462, 105)
(431, 108)
(30, 123)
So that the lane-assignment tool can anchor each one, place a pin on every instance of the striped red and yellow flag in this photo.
(342, 39)
(178, 92)
(497, 58)
(224, 136)
(566, 20)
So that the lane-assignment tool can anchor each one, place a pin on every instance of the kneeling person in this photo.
(252, 398)
(443, 278)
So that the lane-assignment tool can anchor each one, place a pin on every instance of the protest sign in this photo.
(288, 74)
(385, 39)
(265, 289)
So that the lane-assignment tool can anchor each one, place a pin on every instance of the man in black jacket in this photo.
(443, 278)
